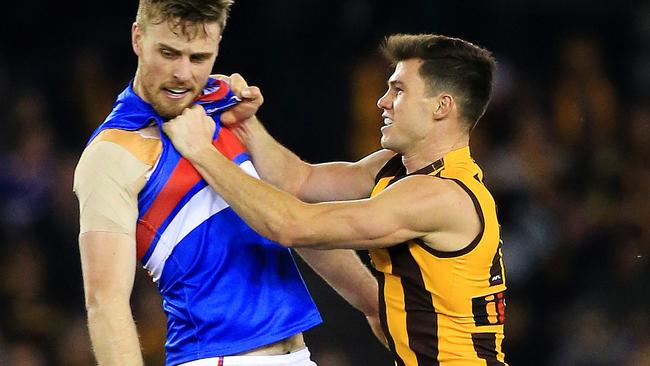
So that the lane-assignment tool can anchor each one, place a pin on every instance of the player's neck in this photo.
(138, 88)
(426, 154)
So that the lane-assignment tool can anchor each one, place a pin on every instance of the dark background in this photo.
(565, 147)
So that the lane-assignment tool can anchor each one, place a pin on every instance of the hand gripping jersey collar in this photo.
(130, 112)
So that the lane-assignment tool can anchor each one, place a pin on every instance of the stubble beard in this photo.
(167, 109)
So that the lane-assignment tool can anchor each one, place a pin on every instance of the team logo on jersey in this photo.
(214, 98)
(213, 91)
(496, 271)
(490, 309)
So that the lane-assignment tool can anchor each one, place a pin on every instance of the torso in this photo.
(444, 307)
(237, 294)
(292, 344)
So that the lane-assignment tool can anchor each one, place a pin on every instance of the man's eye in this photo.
(167, 53)
(198, 58)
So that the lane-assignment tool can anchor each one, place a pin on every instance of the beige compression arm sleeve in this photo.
(108, 178)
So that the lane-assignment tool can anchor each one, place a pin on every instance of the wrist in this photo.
(201, 154)
(249, 129)
(252, 125)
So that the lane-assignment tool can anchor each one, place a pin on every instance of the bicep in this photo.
(340, 181)
(409, 209)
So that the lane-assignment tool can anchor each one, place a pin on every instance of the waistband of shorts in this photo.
(294, 358)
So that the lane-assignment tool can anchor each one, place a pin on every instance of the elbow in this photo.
(289, 233)
(292, 226)
(97, 301)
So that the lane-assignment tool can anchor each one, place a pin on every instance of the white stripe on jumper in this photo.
(197, 210)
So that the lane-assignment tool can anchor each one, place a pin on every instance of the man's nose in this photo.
(384, 102)
(183, 69)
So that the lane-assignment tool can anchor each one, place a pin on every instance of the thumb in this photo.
(228, 118)
(253, 94)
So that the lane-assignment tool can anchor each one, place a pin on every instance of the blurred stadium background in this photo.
(565, 146)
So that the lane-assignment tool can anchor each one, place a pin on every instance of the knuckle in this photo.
(220, 76)
(239, 80)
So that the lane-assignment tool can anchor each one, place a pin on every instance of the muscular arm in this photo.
(408, 209)
(309, 182)
(107, 180)
(284, 169)
(415, 207)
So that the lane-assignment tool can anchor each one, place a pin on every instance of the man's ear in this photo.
(136, 38)
(216, 53)
(444, 105)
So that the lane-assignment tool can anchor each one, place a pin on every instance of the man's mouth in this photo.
(176, 93)
(387, 120)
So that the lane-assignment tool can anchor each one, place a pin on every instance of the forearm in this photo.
(344, 272)
(281, 217)
(275, 163)
(113, 334)
(275, 219)
(108, 267)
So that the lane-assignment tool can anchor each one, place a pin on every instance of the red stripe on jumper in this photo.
(182, 179)
(228, 144)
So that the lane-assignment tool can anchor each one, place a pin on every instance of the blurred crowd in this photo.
(565, 148)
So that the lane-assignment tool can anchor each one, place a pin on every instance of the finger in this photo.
(185, 111)
(237, 83)
(253, 94)
(226, 79)
(228, 118)
(238, 79)
(250, 92)
(197, 108)
(221, 77)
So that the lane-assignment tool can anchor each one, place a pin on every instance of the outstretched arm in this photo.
(414, 207)
(281, 167)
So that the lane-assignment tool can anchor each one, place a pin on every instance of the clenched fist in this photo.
(191, 131)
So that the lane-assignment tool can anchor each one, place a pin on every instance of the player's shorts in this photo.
(298, 358)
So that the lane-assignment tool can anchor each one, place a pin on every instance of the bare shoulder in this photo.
(439, 207)
(429, 190)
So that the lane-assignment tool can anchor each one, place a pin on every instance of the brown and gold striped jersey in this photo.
(444, 308)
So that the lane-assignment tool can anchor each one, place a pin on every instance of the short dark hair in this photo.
(182, 12)
(449, 64)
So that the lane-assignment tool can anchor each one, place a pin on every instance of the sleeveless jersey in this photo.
(444, 308)
(225, 288)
